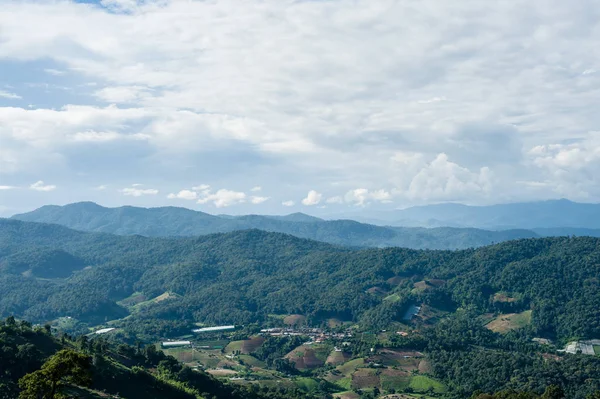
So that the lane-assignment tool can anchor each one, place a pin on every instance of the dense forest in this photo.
(48, 271)
(181, 222)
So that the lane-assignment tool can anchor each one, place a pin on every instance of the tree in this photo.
(553, 392)
(65, 367)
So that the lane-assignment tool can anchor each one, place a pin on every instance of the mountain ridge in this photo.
(183, 222)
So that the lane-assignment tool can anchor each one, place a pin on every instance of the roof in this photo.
(104, 330)
(176, 343)
(217, 328)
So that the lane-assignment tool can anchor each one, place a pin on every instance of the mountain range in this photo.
(182, 222)
(537, 215)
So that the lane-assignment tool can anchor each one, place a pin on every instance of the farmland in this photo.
(512, 321)
(329, 363)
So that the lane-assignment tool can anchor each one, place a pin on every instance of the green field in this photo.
(392, 298)
(344, 383)
(597, 349)
(307, 384)
(421, 383)
(349, 367)
(234, 346)
(252, 361)
(512, 321)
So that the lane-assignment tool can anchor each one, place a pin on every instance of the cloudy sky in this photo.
(277, 106)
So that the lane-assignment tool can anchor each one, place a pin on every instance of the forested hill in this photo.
(181, 222)
(47, 271)
(33, 361)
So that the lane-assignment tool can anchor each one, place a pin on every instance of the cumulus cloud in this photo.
(7, 188)
(223, 198)
(288, 203)
(136, 191)
(442, 179)
(184, 194)
(40, 186)
(101, 187)
(313, 198)
(362, 196)
(256, 189)
(571, 168)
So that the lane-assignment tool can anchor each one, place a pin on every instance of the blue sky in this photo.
(282, 106)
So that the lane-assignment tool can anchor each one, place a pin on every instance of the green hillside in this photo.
(245, 276)
(34, 364)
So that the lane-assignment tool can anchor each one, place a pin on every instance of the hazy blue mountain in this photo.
(180, 222)
(526, 215)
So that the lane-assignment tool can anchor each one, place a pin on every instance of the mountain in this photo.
(527, 215)
(49, 271)
(181, 222)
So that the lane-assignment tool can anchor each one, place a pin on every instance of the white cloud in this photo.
(101, 187)
(92, 136)
(40, 186)
(122, 94)
(256, 189)
(442, 179)
(194, 84)
(362, 196)
(9, 95)
(223, 198)
(335, 200)
(258, 200)
(7, 188)
(313, 198)
(184, 194)
(570, 169)
(288, 203)
(138, 192)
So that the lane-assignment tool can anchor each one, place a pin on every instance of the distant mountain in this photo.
(527, 215)
(181, 222)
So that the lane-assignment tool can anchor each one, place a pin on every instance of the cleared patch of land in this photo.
(246, 346)
(422, 383)
(377, 291)
(511, 321)
(346, 395)
(222, 372)
(338, 357)
(309, 356)
(503, 297)
(294, 320)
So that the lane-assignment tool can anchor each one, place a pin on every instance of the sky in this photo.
(279, 106)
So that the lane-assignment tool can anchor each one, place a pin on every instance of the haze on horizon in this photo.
(285, 106)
